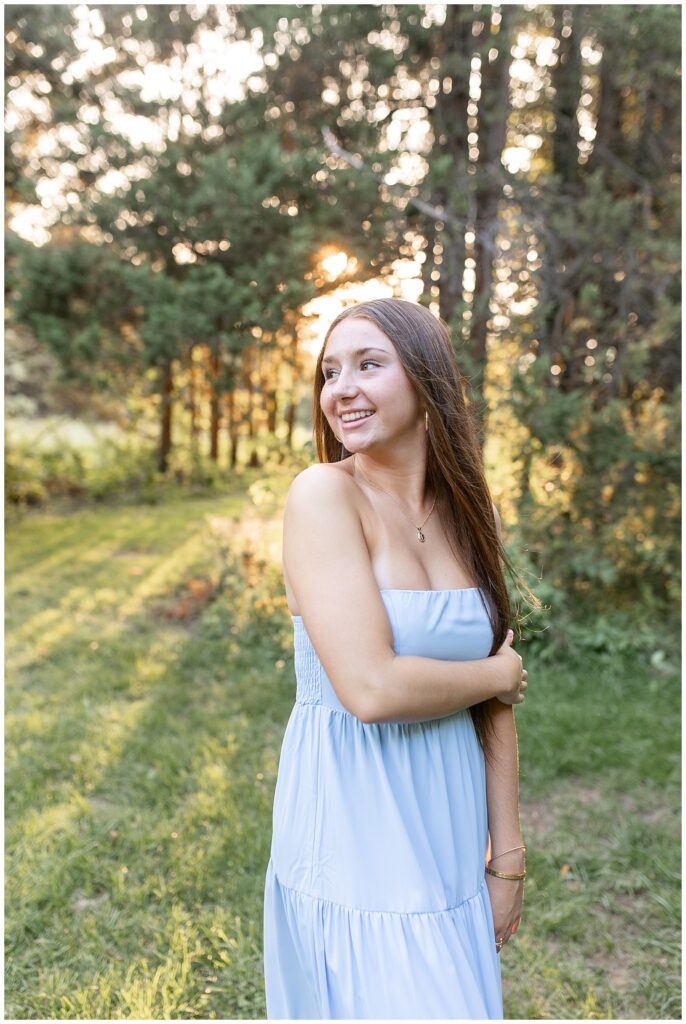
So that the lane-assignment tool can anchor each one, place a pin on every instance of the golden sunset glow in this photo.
(336, 264)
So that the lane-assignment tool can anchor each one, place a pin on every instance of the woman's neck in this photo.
(403, 481)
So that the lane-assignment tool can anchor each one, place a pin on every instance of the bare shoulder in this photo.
(330, 581)
(325, 471)
(321, 505)
(321, 482)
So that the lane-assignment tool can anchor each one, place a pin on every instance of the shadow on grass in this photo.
(142, 775)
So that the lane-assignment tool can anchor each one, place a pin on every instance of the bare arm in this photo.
(502, 782)
(502, 772)
(330, 571)
(502, 798)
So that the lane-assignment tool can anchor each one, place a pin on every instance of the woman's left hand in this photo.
(506, 898)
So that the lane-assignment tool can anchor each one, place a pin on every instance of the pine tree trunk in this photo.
(214, 405)
(232, 428)
(493, 112)
(566, 79)
(454, 47)
(290, 422)
(294, 363)
(253, 460)
(166, 395)
(247, 377)
(609, 124)
(193, 401)
(272, 409)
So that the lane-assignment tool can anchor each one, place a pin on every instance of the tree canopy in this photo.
(188, 166)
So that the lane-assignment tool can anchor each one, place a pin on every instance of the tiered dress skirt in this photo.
(376, 905)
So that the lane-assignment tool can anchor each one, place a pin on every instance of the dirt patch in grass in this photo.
(545, 817)
(187, 602)
(619, 920)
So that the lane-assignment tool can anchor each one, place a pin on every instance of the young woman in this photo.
(397, 861)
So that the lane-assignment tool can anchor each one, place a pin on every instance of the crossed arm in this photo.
(502, 773)
(502, 782)
(326, 557)
(502, 798)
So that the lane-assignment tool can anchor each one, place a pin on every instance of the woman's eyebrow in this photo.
(357, 352)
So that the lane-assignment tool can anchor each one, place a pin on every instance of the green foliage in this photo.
(35, 474)
(122, 470)
(211, 238)
(68, 295)
(598, 387)
(39, 472)
(613, 473)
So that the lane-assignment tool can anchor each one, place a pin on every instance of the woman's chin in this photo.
(354, 444)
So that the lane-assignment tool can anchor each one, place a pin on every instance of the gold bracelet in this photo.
(510, 876)
(495, 857)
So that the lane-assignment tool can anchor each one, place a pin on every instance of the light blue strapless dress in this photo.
(376, 904)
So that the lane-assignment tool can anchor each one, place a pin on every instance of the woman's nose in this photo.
(344, 384)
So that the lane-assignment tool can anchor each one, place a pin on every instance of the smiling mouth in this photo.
(356, 417)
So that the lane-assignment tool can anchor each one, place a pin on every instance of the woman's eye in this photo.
(365, 362)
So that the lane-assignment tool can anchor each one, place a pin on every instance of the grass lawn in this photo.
(144, 717)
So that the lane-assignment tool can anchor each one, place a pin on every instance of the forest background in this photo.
(192, 193)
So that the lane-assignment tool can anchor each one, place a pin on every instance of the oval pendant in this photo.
(420, 535)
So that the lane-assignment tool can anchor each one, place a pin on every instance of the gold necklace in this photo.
(420, 536)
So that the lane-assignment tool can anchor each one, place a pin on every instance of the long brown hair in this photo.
(454, 469)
